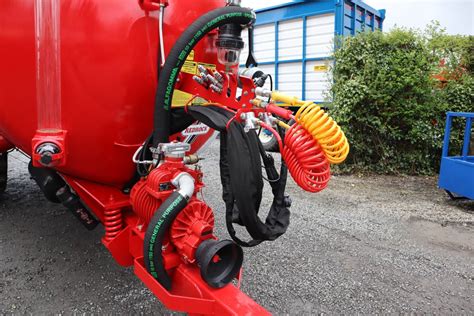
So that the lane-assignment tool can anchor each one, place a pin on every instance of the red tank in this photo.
(87, 69)
(78, 85)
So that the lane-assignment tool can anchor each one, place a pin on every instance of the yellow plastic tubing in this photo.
(321, 127)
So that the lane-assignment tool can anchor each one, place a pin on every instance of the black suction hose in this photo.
(155, 234)
(177, 58)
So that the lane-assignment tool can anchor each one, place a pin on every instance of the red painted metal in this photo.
(82, 75)
(206, 300)
(4, 144)
(192, 226)
(108, 61)
(56, 137)
(148, 194)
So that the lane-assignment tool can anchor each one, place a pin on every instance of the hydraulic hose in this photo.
(177, 57)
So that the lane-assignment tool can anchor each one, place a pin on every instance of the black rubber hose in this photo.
(48, 180)
(157, 230)
(177, 57)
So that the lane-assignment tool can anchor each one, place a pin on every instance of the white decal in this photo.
(196, 129)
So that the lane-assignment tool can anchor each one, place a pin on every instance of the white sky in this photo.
(455, 15)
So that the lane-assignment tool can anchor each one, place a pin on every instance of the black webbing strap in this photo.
(241, 157)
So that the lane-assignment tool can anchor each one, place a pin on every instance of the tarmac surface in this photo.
(365, 245)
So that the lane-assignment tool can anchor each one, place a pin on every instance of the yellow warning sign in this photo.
(191, 55)
(208, 66)
(321, 68)
(189, 67)
(181, 98)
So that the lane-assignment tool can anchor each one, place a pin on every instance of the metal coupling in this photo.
(251, 122)
(234, 2)
(46, 152)
(216, 88)
(200, 80)
(214, 81)
(219, 77)
(263, 92)
(184, 182)
(191, 159)
(173, 150)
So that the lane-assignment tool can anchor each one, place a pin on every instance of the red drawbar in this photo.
(190, 294)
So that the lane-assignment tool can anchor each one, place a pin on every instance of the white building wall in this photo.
(319, 48)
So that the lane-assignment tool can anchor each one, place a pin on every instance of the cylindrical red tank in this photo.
(97, 76)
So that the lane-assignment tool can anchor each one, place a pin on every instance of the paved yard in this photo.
(365, 245)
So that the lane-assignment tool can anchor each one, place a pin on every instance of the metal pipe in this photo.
(185, 184)
(162, 40)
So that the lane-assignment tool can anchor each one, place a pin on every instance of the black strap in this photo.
(241, 157)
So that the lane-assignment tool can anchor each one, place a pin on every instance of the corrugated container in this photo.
(294, 42)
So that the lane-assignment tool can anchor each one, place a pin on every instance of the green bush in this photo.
(390, 105)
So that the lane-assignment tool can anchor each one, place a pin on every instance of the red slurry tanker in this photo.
(113, 100)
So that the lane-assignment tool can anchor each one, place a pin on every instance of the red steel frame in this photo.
(105, 77)
(190, 293)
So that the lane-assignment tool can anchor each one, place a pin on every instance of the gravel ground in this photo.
(364, 245)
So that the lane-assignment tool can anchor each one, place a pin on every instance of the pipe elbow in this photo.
(184, 182)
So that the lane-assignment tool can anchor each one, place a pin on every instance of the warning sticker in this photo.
(181, 98)
(321, 68)
(191, 55)
(189, 67)
(208, 66)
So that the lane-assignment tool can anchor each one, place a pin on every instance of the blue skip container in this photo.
(457, 172)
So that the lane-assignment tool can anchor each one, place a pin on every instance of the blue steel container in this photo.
(295, 41)
(457, 172)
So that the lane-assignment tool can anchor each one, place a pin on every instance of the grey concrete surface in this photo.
(365, 245)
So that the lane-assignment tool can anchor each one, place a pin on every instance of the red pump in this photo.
(85, 82)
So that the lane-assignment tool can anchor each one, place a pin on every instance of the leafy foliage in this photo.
(389, 102)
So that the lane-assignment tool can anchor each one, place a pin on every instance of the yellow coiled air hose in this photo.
(320, 125)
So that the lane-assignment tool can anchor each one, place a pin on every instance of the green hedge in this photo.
(390, 105)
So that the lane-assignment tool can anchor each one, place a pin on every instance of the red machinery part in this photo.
(105, 72)
(108, 63)
(4, 144)
(193, 225)
(149, 193)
